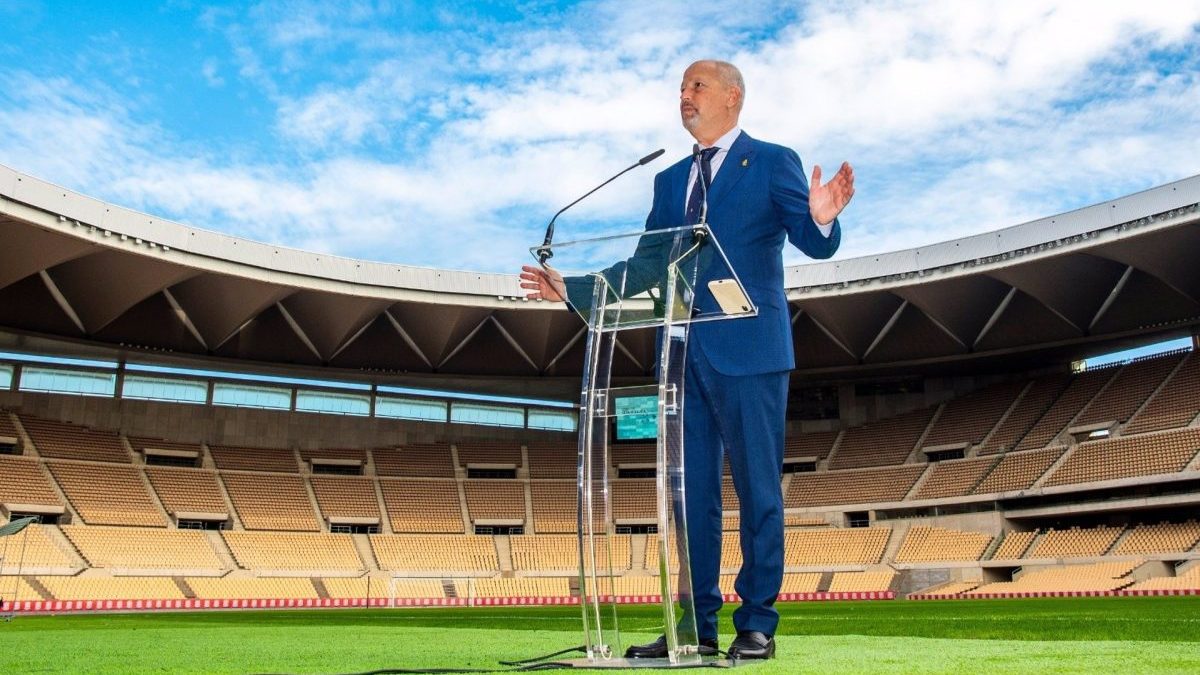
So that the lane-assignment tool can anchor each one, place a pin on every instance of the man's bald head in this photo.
(710, 99)
(730, 77)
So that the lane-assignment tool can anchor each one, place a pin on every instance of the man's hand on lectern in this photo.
(545, 283)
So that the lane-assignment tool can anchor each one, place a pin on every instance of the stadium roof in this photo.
(80, 271)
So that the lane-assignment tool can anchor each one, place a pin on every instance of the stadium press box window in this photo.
(65, 381)
(487, 415)
(146, 388)
(411, 409)
(6, 376)
(329, 402)
(245, 396)
(553, 420)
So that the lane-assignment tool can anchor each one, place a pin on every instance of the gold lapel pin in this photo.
(746, 162)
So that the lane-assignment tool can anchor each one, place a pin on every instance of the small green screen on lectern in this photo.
(637, 417)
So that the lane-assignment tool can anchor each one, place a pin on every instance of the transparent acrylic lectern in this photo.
(668, 279)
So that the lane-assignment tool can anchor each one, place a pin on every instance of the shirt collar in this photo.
(725, 142)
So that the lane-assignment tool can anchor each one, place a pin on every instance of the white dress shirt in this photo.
(723, 144)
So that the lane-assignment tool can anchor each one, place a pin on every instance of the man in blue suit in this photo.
(735, 391)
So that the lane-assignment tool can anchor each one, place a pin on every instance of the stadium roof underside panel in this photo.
(77, 269)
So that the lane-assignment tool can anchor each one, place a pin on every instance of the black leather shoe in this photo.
(751, 644)
(658, 649)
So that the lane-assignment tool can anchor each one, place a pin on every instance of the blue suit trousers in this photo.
(740, 417)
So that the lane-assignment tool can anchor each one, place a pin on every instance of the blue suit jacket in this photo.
(758, 200)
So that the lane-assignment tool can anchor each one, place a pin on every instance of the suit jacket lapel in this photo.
(678, 193)
(732, 169)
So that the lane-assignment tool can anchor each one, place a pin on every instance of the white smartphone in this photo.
(730, 297)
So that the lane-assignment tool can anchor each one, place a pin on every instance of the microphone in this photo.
(544, 252)
(703, 220)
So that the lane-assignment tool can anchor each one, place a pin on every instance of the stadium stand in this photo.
(1127, 457)
(1133, 384)
(1189, 580)
(1075, 542)
(7, 428)
(1079, 392)
(106, 494)
(20, 589)
(543, 552)
(813, 444)
(1018, 470)
(729, 498)
(1176, 404)
(429, 460)
(62, 440)
(554, 506)
(888, 484)
(307, 455)
(640, 453)
(808, 582)
(248, 588)
(1014, 544)
(184, 490)
(140, 444)
(143, 548)
(422, 505)
(851, 582)
(1029, 408)
(835, 546)
(495, 500)
(496, 452)
(731, 550)
(363, 587)
(1102, 576)
(968, 419)
(1159, 538)
(558, 460)
(881, 443)
(277, 460)
(111, 588)
(293, 551)
(34, 548)
(345, 496)
(935, 544)
(435, 553)
(271, 501)
(24, 482)
(633, 499)
(951, 589)
(527, 587)
(954, 478)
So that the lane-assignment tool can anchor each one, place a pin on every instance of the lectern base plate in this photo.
(633, 664)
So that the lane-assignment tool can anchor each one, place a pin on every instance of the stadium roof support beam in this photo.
(184, 318)
(1012, 292)
(1112, 296)
(887, 328)
(513, 341)
(566, 348)
(463, 343)
(412, 344)
(828, 333)
(61, 300)
(297, 329)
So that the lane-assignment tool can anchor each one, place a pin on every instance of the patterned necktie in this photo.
(696, 198)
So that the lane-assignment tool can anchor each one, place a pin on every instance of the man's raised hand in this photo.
(826, 201)
(544, 283)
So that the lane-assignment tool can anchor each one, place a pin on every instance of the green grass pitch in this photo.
(1053, 635)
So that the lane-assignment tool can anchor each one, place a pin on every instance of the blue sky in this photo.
(446, 134)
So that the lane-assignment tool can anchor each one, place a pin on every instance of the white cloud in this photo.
(960, 117)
